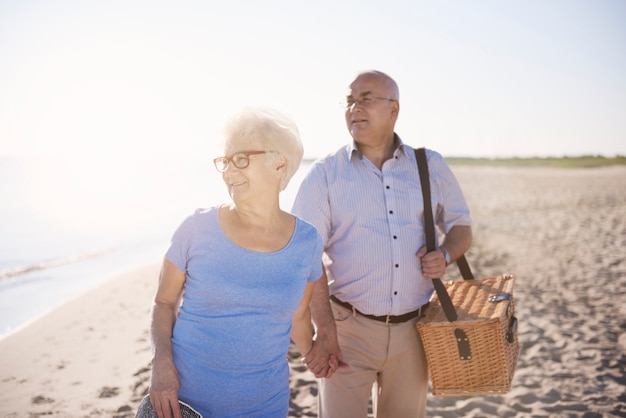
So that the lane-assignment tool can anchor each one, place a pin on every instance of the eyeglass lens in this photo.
(363, 101)
(240, 161)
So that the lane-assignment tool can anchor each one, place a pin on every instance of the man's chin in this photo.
(357, 131)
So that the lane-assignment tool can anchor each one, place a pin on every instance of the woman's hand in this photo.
(324, 358)
(164, 387)
(165, 384)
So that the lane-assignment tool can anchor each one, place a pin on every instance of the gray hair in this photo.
(275, 131)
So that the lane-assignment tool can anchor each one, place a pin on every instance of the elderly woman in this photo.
(236, 283)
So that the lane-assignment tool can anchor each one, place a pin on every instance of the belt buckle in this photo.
(387, 320)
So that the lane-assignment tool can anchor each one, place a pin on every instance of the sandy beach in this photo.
(561, 232)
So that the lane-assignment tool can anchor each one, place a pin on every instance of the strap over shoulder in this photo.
(429, 228)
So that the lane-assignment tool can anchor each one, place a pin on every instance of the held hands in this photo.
(324, 359)
(433, 263)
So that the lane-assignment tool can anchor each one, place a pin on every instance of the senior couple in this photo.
(242, 279)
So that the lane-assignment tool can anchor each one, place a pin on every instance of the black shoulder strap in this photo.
(429, 228)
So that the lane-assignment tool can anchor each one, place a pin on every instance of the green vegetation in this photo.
(565, 162)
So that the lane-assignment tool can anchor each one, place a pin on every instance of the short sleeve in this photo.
(178, 251)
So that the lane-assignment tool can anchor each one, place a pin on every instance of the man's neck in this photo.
(380, 152)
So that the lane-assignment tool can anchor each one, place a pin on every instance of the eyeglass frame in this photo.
(364, 101)
(229, 160)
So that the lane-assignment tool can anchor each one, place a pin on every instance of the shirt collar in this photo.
(353, 151)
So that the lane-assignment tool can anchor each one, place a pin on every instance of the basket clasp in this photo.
(463, 344)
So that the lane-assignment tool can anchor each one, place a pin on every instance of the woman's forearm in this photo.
(302, 331)
(163, 318)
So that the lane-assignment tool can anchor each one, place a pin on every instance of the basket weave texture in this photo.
(490, 367)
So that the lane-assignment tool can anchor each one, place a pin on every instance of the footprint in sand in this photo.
(107, 392)
(40, 399)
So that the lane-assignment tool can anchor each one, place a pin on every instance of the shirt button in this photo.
(395, 237)
(397, 265)
(388, 187)
(391, 212)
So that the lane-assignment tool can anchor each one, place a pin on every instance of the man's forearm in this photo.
(320, 309)
(457, 241)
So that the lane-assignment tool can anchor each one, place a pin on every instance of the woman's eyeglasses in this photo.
(240, 160)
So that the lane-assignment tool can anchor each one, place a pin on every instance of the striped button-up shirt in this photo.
(371, 222)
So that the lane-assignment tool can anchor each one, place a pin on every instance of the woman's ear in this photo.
(281, 163)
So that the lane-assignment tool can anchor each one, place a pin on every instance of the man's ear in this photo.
(395, 111)
(395, 108)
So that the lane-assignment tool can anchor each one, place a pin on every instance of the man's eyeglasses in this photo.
(363, 101)
(239, 160)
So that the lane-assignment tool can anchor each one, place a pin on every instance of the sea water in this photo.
(67, 226)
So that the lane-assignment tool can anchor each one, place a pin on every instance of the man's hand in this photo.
(324, 359)
(433, 263)
(456, 243)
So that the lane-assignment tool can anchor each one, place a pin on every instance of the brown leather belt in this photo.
(387, 319)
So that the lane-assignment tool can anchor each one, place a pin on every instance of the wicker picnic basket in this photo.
(477, 353)
(469, 332)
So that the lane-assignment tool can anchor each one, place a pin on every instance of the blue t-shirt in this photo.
(232, 333)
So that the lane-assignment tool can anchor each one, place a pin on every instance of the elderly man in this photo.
(365, 201)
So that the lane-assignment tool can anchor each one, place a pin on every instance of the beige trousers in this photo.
(386, 362)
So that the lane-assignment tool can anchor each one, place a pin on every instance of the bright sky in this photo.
(158, 78)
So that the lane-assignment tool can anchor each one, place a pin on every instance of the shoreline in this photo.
(68, 278)
(83, 357)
